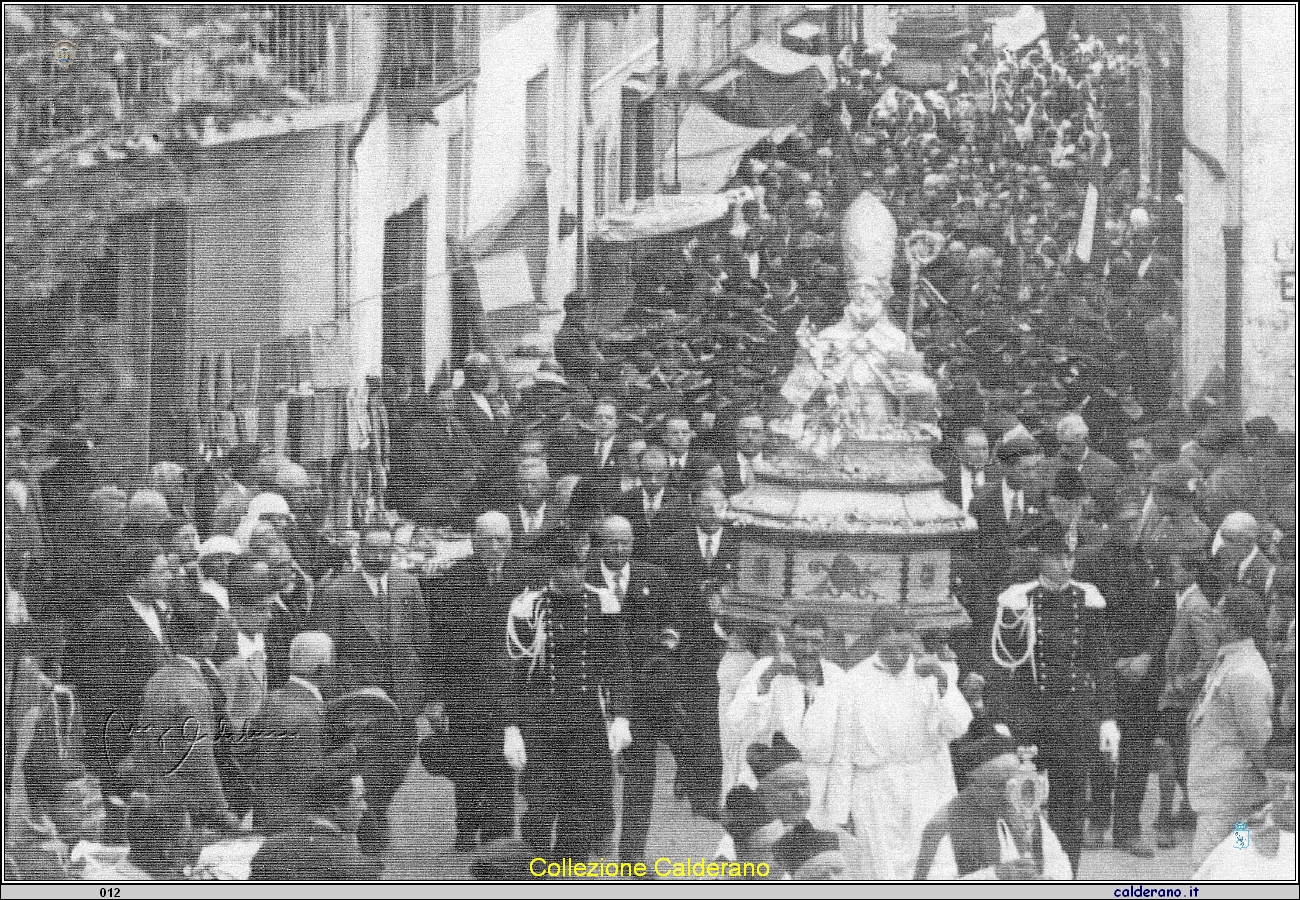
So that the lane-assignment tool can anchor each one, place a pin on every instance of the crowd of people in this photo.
(210, 658)
(218, 659)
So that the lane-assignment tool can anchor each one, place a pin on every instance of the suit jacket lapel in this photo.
(357, 598)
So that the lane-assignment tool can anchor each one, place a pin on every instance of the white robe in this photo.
(1056, 865)
(818, 730)
(732, 669)
(902, 771)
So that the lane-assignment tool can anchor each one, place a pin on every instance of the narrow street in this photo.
(422, 817)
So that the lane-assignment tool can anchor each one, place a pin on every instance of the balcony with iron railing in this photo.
(142, 69)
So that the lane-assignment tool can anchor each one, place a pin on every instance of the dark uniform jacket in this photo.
(581, 658)
(1067, 670)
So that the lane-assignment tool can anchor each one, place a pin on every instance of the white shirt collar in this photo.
(709, 540)
(250, 644)
(1010, 496)
(616, 579)
(652, 501)
(217, 592)
(190, 661)
(311, 688)
(1186, 592)
(148, 614)
(532, 521)
(1245, 563)
(375, 583)
(483, 404)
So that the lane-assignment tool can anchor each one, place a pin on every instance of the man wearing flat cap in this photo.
(1050, 636)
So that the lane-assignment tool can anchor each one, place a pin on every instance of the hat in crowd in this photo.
(1017, 446)
(1262, 428)
(806, 848)
(306, 853)
(1176, 478)
(766, 760)
(148, 507)
(220, 544)
(1069, 484)
(744, 814)
(504, 859)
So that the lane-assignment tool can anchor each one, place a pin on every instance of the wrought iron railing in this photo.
(138, 66)
(430, 48)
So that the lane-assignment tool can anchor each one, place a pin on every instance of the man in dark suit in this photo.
(532, 514)
(173, 744)
(677, 436)
(1102, 475)
(481, 414)
(746, 453)
(653, 508)
(640, 596)
(704, 559)
(607, 447)
(1004, 511)
(289, 734)
(379, 623)
(468, 607)
(127, 645)
(967, 468)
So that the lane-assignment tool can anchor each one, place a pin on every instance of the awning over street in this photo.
(707, 151)
(507, 259)
(660, 215)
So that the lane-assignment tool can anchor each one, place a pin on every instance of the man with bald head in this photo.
(467, 611)
(1101, 474)
(288, 737)
(654, 507)
(638, 593)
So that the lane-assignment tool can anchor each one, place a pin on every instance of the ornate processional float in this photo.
(848, 515)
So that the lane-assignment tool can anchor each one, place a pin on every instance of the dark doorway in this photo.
(404, 237)
(168, 319)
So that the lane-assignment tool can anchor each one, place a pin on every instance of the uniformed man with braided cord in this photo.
(1050, 636)
(571, 663)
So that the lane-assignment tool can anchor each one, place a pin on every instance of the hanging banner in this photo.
(504, 280)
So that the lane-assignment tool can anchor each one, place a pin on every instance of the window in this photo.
(536, 119)
(403, 304)
(637, 153)
(497, 16)
(431, 46)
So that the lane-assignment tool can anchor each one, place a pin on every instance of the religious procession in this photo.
(813, 443)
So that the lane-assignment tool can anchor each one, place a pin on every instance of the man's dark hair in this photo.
(1245, 612)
